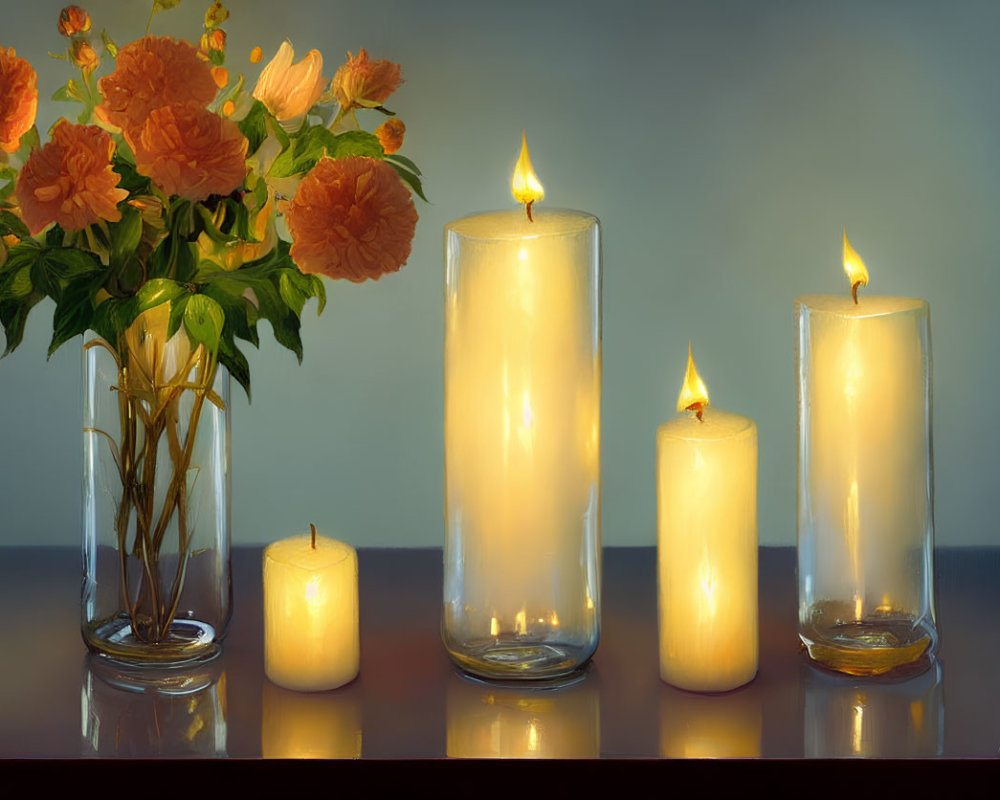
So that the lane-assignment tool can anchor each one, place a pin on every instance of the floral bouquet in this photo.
(155, 223)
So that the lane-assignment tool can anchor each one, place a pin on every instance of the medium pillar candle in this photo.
(311, 637)
(707, 549)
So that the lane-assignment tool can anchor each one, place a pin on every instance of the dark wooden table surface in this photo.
(409, 702)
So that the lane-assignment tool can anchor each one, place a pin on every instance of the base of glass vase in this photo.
(500, 659)
(890, 645)
(187, 642)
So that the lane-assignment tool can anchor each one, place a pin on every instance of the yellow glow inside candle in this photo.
(707, 545)
(311, 638)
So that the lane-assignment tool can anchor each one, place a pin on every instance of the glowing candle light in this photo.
(707, 543)
(311, 636)
(522, 437)
(865, 528)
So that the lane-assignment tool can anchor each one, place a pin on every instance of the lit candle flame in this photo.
(524, 184)
(694, 395)
(855, 268)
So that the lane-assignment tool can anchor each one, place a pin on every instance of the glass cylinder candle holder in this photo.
(865, 483)
(522, 443)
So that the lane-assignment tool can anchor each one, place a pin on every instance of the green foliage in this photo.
(318, 142)
(254, 125)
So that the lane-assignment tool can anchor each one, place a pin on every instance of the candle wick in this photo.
(698, 409)
(527, 207)
(854, 291)
(313, 527)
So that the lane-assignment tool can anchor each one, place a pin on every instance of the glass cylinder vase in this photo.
(522, 443)
(865, 483)
(156, 489)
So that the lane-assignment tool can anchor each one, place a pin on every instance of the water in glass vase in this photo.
(884, 641)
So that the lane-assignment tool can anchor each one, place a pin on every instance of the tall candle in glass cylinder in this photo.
(865, 491)
(522, 439)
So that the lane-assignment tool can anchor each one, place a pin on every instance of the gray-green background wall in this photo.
(722, 144)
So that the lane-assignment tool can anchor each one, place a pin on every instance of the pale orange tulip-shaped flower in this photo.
(290, 90)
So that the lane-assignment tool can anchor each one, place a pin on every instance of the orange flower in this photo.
(152, 72)
(256, 55)
(290, 90)
(18, 99)
(190, 152)
(70, 181)
(73, 20)
(363, 83)
(390, 135)
(351, 218)
(84, 56)
(221, 76)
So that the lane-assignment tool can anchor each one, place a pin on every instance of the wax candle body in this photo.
(865, 529)
(522, 442)
(311, 638)
(707, 550)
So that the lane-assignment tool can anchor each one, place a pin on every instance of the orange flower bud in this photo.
(221, 76)
(256, 55)
(290, 90)
(216, 15)
(390, 135)
(84, 56)
(228, 108)
(213, 40)
(73, 20)
(363, 83)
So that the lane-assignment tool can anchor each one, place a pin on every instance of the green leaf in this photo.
(113, 317)
(109, 44)
(131, 181)
(70, 93)
(410, 180)
(403, 161)
(55, 266)
(74, 311)
(305, 151)
(357, 143)
(11, 224)
(233, 360)
(157, 291)
(254, 125)
(293, 296)
(241, 314)
(204, 320)
(14, 315)
(125, 234)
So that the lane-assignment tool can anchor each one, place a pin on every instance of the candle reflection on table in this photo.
(727, 725)
(314, 725)
(485, 721)
(847, 717)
